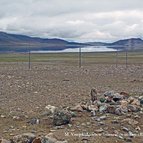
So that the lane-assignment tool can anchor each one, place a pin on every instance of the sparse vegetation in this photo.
(101, 57)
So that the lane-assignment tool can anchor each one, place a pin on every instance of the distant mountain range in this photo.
(130, 44)
(22, 43)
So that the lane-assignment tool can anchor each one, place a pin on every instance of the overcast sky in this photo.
(74, 20)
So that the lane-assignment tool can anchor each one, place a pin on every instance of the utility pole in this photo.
(126, 57)
(29, 61)
(127, 47)
(117, 58)
(80, 57)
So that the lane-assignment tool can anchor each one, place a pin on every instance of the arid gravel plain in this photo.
(24, 94)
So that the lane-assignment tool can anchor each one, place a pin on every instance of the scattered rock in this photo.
(123, 109)
(99, 131)
(37, 140)
(92, 108)
(125, 129)
(117, 97)
(124, 103)
(137, 117)
(103, 108)
(111, 109)
(83, 124)
(93, 113)
(128, 139)
(109, 93)
(102, 100)
(3, 116)
(85, 140)
(130, 134)
(61, 117)
(101, 123)
(4, 141)
(93, 95)
(118, 111)
(120, 137)
(141, 101)
(47, 139)
(133, 108)
(138, 128)
(17, 118)
(103, 117)
(24, 138)
(77, 108)
(46, 113)
(59, 127)
(50, 108)
(69, 125)
(115, 122)
(133, 101)
(136, 102)
(73, 114)
(97, 119)
(125, 94)
(34, 121)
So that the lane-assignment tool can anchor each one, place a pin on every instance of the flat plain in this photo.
(57, 80)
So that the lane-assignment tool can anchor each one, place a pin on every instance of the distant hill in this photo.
(130, 44)
(22, 43)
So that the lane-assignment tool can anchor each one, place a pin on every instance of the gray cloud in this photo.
(79, 20)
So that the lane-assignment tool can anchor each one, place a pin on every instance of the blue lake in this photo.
(84, 49)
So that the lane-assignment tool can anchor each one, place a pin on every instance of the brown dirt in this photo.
(63, 85)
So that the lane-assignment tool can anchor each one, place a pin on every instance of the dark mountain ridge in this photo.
(130, 44)
(22, 43)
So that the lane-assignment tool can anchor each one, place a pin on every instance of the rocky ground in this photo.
(29, 99)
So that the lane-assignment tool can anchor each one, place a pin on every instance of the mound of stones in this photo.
(110, 102)
(59, 116)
